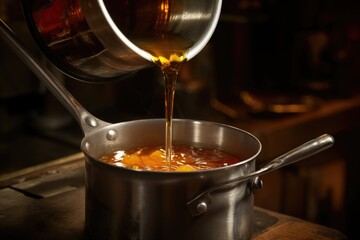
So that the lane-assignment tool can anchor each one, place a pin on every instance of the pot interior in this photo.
(151, 132)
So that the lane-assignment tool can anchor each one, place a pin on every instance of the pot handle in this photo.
(87, 121)
(200, 204)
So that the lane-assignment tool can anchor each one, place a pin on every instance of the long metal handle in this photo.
(87, 121)
(200, 203)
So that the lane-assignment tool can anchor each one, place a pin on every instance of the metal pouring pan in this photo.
(90, 42)
(128, 204)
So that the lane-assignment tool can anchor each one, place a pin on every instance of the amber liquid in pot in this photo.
(184, 158)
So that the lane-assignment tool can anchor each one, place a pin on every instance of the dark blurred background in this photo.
(302, 53)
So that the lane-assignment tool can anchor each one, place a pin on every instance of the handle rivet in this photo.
(256, 184)
(201, 207)
(111, 135)
(91, 122)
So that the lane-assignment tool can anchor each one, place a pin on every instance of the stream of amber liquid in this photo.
(170, 68)
(170, 74)
(169, 60)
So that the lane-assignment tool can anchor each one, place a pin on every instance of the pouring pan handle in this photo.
(87, 121)
(199, 204)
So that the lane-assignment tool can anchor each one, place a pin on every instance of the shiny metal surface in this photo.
(304, 151)
(128, 204)
(120, 55)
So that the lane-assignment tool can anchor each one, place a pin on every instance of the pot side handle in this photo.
(87, 121)
(200, 204)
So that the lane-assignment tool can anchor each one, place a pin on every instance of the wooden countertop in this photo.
(287, 227)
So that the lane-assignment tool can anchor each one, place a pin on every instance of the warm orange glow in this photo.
(184, 159)
(165, 7)
(163, 14)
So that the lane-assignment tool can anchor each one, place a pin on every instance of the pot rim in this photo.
(95, 160)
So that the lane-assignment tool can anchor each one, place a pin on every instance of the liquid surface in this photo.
(184, 158)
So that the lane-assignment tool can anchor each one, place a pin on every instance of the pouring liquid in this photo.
(169, 56)
(170, 72)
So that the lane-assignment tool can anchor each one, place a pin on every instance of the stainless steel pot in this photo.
(215, 204)
(102, 40)
(127, 204)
